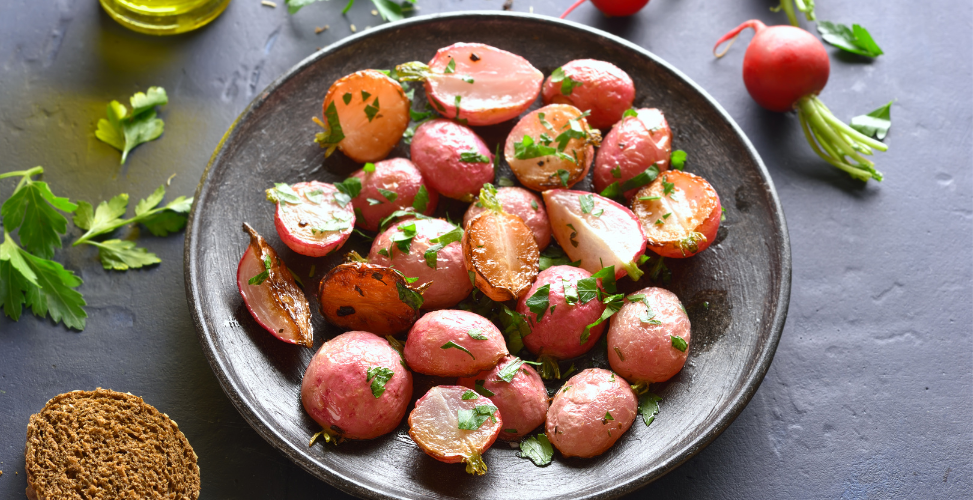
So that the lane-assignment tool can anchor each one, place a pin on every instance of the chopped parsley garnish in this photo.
(347, 189)
(573, 132)
(649, 314)
(333, 133)
(544, 122)
(587, 289)
(722, 214)
(667, 187)
(570, 292)
(283, 193)
(507, 373)
(608, 416)
(372, 109)
(468, 395)
(612, 304)
(478, 387)
(451, 67)
(629, 112)
(649, 198)
(440, 242)
(617, 172)
(378, 376)
(338, 222)
(315, 196)
(421, 199)
(388, 195)
(373, 201)
(454, 345)
(678, 159)
(473, 156)
(477, 334)
(347, 98)
(554, 256)
(540, 301)
(471, 420)
(365, 96)
(574, 234)
(649, 407)
(587, 203)
(538, 449)
(383, 252)
(599, 212)
(679, 343)
(607, 276)
(567, 83)
(409, 296)
(528, 149)
(466, 78)
(533, 204)
(260, 278)
(369, 167)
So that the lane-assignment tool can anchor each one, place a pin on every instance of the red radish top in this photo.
(504, 84)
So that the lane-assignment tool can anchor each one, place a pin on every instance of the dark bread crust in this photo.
(101, 445)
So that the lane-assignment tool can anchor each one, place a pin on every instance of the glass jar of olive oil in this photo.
(164, 17)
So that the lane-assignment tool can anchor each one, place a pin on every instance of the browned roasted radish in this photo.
(679, 213)
(500, 250)
(365, 115)
(454, 424)
(271, 296)
(371, 298)
(551, 147)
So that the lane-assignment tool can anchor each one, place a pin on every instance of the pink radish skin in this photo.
(450, 280)
(294, 223)
(558, 334)
(577, 423)
(614, 238)
(647, 349)
(611, 8)
(337, 394)
(434, 426)
(398, 175)
(437, 148)
(504, 84)
(633, 145)
(540, 173)
(523, 401)
(522, 203)
(276, 304)
(424, 350)
(605, 91)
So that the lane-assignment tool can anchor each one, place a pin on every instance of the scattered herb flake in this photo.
(451, 67)
(679, 343)
(473, 156)
(649, 407)
(507, 373)
(346, 98)
(478, 387)
(574, 234)
(540, 301)
(388, 195)
(477, 334)
(629, 113)
(567, 83)
(409, 296)
(587, 203)
(678, 159)
(372, 109)
(538, 449)
(470, 395)
(471, 420)
(378, 376)
(440, 242)
(369, 167)
(454, 345)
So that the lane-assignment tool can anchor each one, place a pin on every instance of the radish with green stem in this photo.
(786, 68)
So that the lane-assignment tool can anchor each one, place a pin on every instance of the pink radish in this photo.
(519, 393)
(786, 68)
(616, 8)
(453, 160)
(476, 83)
(634, 145)
(271, 296)
(598, 87)
(454, 424)
(311, 218)
(388, 186)
(590, 412)
(649, 337)
(597, 231)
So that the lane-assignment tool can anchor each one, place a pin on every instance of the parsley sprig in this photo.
(124, 129)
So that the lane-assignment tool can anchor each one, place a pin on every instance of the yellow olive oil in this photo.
(164, 17)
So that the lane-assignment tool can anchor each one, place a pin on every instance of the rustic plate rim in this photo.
(349, 485)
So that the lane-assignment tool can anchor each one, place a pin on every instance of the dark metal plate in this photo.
(736, 292)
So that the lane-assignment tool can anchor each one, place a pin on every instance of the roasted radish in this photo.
(559, 307)
(475, 83)
(679, 213)
(551, 147)
(598, 87)
(590, 412)
(356, 386)
(633, 153)
(365, 115)
(500, 252)
(524, 204)
(452, 158)
(596, 231)
(649, 337)
(454, 424)
(376, 299)
(271, 296)
(452, 343)
(388, 186)
(518, 392)
(311, 218)
(429, 250)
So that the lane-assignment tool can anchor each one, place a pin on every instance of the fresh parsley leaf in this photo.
(876, 123)
(856, 39)
(371, 110)
(507, 373)
(587, 289)
(574, 234)
(473, 156)
(612, 304)
(347, 189)
(528, 149)
(388, 195)
(538, 449)
(573, 132)
(477, 334)
(333, 133)
(570, 292)
(42, 285)
(346, 98)
(544, 122)
(617, 172)
(468, 395)
(540, 301)
(647, 176)
(567, 83)
(421, 200)
(440, 242)
(33, 209)
(409, 296)
(471, 420)
(607, 276)
(478, 387)
(649, 407)
(408, 212)
(391, 11)
(378, 376)
(667, 187)
(515, 327)
(369, 167)
(280, 193)
(587, 203)
(678, 159)
(123, 255)
(454, 345)
(124, 130)
(629, 113)
(679, 343)
(403, 238)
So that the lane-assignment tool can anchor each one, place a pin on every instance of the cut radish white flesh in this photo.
(435, 425)
(599, 235)
(271, 296)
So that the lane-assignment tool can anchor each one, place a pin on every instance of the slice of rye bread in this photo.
(101, 445)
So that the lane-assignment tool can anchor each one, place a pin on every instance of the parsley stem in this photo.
(108, 228)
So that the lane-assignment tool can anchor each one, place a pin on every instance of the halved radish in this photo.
(679, 214)
(454, 424)
(634, 144)
(377, 299)
(480, 84)
(551, 147)
(596, 231)
(310, 219)
(500, 250)
(271, 296)
(366, 113)
(523, 203)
